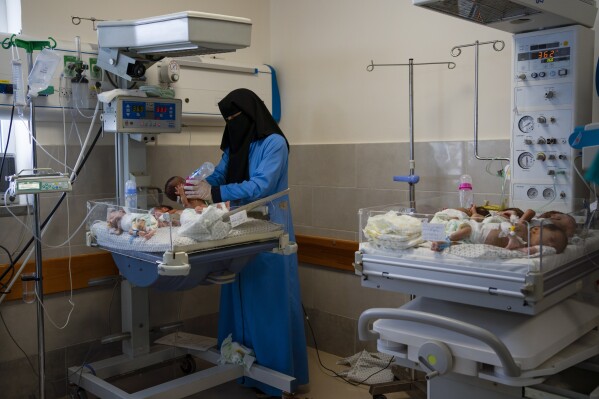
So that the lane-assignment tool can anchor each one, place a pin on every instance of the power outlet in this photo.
(65, 92)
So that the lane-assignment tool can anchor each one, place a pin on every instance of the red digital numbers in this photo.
(546, 54)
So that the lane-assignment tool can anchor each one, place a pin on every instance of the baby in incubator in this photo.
(137, 224)
(174, 187)
(508, 229)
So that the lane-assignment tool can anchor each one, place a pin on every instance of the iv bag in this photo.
(43, 69)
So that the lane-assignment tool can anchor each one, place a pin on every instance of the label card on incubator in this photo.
(239, 218)
(593, 206)
(433, 232)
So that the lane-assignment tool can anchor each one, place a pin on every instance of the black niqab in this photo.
(254, 123)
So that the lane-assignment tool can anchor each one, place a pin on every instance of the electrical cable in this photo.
(116, 284)
(87, 355)
(133, 84)
(41, 146)
(56, 206)
(40, 238)
(18, 346)
(2, 285)
(12, 113)
(335, 374)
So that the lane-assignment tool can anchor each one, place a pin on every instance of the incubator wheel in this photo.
(188, 365)
(379, 397)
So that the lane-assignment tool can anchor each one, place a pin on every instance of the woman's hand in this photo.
(198, 189)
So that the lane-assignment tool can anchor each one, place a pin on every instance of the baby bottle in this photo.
(130, 195)
(465, 190)
(202, 172)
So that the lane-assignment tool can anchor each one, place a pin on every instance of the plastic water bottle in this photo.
(466, 194)
(130, 195)
(202, 172)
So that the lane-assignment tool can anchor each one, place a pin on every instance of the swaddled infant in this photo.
(515, 234)
(137, 224)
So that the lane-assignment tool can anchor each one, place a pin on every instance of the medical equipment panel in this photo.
(517, 16)
(551, 96)
(142, 115)
(41, 180)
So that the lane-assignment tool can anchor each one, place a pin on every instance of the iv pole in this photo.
(30, 46)
(498, 45)
(412, 178)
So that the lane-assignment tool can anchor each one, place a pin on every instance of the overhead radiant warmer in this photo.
(517, 16)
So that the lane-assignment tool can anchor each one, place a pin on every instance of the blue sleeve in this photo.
(270, 161)
(220, 171)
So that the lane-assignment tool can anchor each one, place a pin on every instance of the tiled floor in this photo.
(322, 385)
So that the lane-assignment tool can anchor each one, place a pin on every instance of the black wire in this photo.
(114, 84)
(12, 268)
(110, 80)
(56, 206)
(18, 346)
(335, 374)
(110, 306)
(11, 264)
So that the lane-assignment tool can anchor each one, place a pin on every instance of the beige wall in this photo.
(329, 97)
(54, 18)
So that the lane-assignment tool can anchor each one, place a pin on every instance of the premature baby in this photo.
(497, 231)
(174, 187)
(137, 224)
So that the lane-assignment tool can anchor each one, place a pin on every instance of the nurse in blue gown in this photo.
(262, 308)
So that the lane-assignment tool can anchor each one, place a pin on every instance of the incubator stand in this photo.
(206, 248)
(485, 327)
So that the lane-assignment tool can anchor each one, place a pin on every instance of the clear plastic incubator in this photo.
(395, 253)
(175, 249)
(485, 321)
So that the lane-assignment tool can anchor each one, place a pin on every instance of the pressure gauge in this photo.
(526, 124)
(548, 193)
(169, 72)
(525, 160)
(532, 193)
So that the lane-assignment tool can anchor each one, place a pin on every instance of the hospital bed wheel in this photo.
(188, 365)
(379, 397)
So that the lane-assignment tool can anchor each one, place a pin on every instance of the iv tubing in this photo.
(57, 205)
